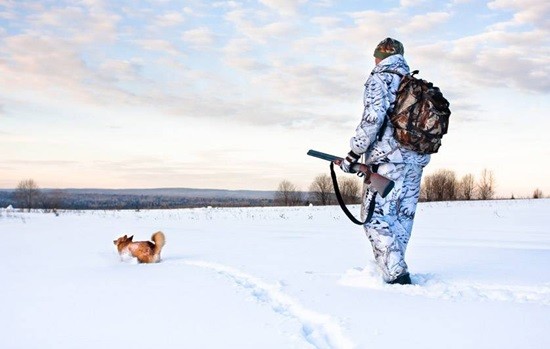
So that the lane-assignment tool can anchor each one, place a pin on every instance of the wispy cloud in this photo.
(199, 38)
(158, 45)
(528, 12)
(411, 3)
(169, 19)
(501, 59)
(258, 25)
(238, 54)
(31, 163)
(284, 7)
(424, 22)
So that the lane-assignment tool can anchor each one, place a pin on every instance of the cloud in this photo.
(53, 69)
(508, 53)
(158, 45)
(248, 23)
(284, 7)
(411, 3)
(307, 83)
(289, 72)
(326, 22)
(199, 38)
(246, 63)
(79, 22)
(373, 24)
(425, 22)
(226, 4)
(120, 70)
(238, 54)
(44, 56)
(169, 19)
(55, 17)
(32, 163)
(499, 59)
(7, 15)
(527, 12)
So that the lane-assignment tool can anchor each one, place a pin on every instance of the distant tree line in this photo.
(443, 185)
(28, 195)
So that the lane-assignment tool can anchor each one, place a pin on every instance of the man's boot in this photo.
(403, 279)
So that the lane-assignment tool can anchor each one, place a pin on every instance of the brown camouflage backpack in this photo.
(420, 115)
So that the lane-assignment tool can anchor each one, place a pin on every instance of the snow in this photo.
(299, 277)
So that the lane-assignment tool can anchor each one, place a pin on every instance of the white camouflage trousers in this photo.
(389, 228)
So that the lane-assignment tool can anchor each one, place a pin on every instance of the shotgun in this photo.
(378, 182)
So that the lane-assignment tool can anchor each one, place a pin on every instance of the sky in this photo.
(232, 94)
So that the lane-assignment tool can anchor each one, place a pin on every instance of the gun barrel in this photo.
(323, 156)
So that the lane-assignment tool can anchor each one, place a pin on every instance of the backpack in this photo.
(420, 114)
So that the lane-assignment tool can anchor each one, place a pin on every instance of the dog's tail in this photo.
(159, 240)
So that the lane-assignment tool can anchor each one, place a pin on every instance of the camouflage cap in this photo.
(388, 47)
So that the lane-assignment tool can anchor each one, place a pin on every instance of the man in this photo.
(390, 226)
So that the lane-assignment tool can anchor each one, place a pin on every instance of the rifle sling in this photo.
(342, 203)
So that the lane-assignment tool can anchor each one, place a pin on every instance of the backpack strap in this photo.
(385, 122)
(413, 73)
(393, 72)
(382, 129)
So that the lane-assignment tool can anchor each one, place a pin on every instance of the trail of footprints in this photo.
(320, 330)
(324, 332)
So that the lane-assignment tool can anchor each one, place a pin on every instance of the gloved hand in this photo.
(350, 159)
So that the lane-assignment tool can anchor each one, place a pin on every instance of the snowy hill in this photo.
(276, 278)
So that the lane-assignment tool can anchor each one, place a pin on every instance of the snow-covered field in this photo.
(276, 278)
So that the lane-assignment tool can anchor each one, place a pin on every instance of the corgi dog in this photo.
(144, 251)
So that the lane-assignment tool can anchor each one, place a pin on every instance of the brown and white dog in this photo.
(144, 251)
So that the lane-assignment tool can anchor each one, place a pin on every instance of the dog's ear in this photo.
(114, 241)
(130, 238)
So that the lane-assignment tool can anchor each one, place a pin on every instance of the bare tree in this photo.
(423, 192)
(27, 194)
(537, 194)
(350, 188)
(287, 194)
(321, 190)
(440, 186)
(466, 188)
(486, 185)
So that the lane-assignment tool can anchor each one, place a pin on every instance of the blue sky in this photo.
(231, 94)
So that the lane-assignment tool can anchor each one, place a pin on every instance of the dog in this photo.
(144, 251)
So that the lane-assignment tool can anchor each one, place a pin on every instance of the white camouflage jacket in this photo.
(380, 91)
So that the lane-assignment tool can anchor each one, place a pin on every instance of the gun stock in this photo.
(380, 183)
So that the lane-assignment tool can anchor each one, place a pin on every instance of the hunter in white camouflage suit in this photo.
(389, 228)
